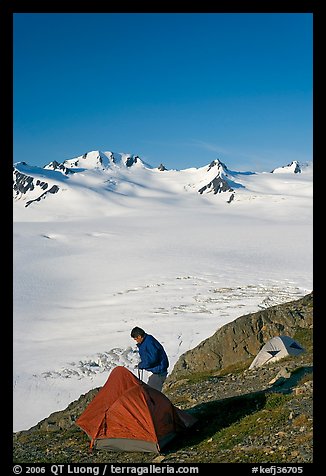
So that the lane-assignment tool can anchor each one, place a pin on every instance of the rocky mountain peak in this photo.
(293, 167)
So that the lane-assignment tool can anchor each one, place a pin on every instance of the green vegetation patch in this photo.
(305, 338)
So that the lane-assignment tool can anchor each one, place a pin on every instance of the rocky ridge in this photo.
(240, 340)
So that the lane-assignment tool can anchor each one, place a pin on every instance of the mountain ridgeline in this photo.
(119, 173)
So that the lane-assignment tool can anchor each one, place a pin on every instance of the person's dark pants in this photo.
(156, 381)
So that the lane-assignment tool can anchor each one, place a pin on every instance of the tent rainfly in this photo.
(129, 415)
(275, 349)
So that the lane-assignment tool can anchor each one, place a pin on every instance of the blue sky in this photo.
(180, 89)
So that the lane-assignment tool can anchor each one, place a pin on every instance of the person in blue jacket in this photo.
(153, 357)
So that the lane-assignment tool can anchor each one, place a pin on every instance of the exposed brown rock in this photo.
(240, 340)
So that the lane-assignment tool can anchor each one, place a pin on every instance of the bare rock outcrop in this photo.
(240, 340)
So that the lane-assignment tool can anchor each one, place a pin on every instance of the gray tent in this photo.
(275, 349)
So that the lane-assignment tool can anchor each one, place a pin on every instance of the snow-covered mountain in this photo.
(98, 173)
(293, 167)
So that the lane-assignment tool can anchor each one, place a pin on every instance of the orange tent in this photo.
(129, 415)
